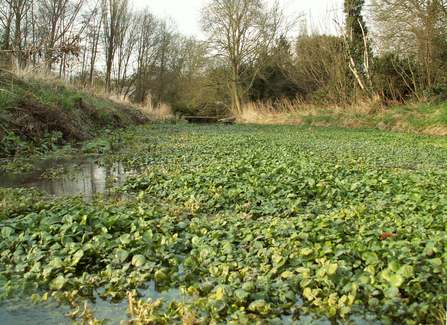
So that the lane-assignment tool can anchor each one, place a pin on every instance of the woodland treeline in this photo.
(398, 53)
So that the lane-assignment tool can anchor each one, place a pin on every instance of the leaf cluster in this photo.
(254, 223)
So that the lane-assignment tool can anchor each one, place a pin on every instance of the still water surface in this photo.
(85, 177)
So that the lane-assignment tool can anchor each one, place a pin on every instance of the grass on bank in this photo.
(38, 107)
(420, 118)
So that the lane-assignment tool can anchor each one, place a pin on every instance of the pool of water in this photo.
(20, 310)
(82, 177)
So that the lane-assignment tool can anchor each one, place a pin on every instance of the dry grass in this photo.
(300, 112)
(364, 113)
(159, 111)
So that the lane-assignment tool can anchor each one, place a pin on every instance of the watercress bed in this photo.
(254, 224)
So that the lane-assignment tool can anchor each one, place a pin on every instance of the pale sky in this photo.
(186, 13)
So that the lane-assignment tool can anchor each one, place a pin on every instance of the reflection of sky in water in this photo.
(88, 178)
(22, 311)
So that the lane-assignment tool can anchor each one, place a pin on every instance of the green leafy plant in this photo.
(251, 223)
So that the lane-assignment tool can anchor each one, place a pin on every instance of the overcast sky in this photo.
(186, 13)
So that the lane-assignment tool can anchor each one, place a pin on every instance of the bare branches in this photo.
(241, 31)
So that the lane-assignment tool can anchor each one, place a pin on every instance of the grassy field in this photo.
(252, 223)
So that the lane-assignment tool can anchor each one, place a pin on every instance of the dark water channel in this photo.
(76, 176)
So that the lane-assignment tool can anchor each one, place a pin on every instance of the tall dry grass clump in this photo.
(277, 112)
(158, 111)
(298, 111)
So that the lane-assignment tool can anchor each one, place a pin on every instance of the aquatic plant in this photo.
(252, 223)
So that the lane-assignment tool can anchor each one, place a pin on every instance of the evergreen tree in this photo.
(354, 24)
(359, 51)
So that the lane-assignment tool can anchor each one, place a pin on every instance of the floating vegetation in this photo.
(269, 224)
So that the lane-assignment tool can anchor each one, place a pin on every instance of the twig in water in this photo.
(129, 296)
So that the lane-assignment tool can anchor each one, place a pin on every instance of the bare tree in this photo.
(6, 19)
(125, 51)
(193, 70)
(15, 13)
(412, 30)
(167, 56)
(115, 22)
(319, 67)
(92, 34)
(56, 20)
(240, 31)
(146, 52)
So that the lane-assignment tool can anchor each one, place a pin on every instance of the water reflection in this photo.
(20, 310)
(84, 177)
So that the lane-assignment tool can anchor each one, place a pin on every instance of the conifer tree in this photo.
(358, 49)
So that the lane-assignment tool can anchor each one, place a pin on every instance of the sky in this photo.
(186, 13)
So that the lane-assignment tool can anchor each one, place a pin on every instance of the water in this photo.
(20, 310)
(84, 177)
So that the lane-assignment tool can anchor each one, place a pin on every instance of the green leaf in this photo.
(391, 292)
(394, 266)
(125, 239)
(406, 271)
(56, 263)
(121, 255)
(160, 276)
(58, 283)
(306, 251)
(241, 294)
(321, 271)
(206, 287)
(7, 231)
(249, 286)
(138, 260)
(331, 268)
(305, 282)
(370, 269)
(290, 295)
(182, 225)
(373, 302)
(218, 305)
(77, 257)
(255, 305)
(277, 259)
(436, 262)
(35, 298)
(370, 257)
(286, 274)
(396, 280)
